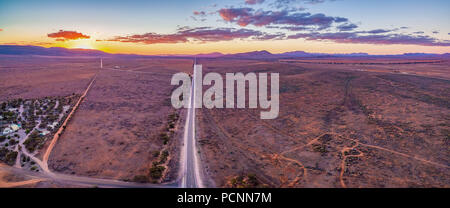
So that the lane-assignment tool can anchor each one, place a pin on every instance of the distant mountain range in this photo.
(56, 51)
(302, 54)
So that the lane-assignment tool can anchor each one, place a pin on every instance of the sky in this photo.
(230, 26)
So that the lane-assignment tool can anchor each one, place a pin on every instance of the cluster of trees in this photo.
(45, 109)
(9, 116)
(29, 115)
(172, 119)
(157, 170)
(8, 156)
(34, 141)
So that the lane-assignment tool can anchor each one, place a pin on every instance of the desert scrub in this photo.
(245, 181)
(163, 157)
(320, 148)
(140, 179)
(163, 136)
(156, 171)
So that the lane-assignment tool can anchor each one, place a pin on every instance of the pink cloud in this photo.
(252, 2)
(200, 34)
(248, 16)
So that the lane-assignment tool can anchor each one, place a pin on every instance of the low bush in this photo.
(156, 171)
(140, 179)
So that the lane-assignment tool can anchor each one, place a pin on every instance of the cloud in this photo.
(199, 34)
(316, 1)
(252, 2)
(378, 31)
(202, 15)
(199, 13)
(347, 27)
(354, 37)
(288, 3)
(63, 35)
(297, 28)
(248, 16)
(232, 13)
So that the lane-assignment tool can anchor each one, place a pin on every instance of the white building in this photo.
(44, 132)
(7, 130)
(53, 125)
(14, 127)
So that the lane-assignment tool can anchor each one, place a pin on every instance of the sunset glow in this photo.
(83, 45)
(201, 26)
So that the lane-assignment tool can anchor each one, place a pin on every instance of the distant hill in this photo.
(253, 54)
(209, 55)
(296, 54)
(57, 51)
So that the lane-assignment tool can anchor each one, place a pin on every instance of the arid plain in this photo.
(342, 123)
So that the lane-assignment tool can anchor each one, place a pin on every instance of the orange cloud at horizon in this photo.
(63, 35)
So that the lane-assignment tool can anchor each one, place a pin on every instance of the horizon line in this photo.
(224, 54)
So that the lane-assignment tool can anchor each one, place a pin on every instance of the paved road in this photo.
(191, 174)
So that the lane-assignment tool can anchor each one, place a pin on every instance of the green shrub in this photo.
(156, 171)
(163, 136)
(155, 153)
(164, 156)
(140, 179)
(8, 156)
(13, 142)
